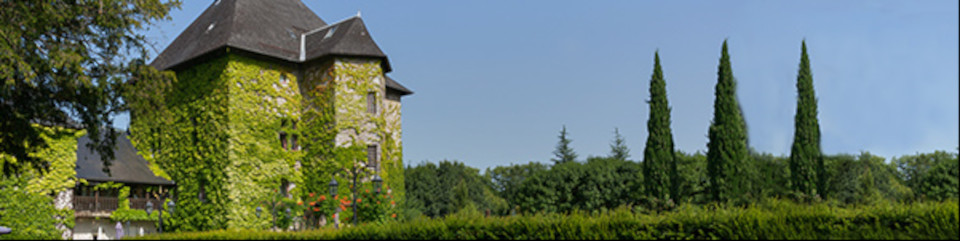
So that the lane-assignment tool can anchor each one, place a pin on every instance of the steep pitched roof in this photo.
(270, 28)
(347, 37)
(126, 167)
(283, 29)
(393, 84)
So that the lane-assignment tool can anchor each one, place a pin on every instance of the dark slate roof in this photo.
(393, 84)
(126, 167)
(347, 37)
(270, 28)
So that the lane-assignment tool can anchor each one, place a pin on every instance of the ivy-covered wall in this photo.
(186, 140)
(219, 133)
(264, 101)
(30, 198)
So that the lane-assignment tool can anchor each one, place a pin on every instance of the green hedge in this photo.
(767, 220)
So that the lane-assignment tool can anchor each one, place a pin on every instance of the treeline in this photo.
(729, 172)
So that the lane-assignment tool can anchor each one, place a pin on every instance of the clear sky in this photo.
(495, 81)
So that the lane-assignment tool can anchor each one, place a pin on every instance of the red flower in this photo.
(313, 203)
(392, 203)
(299, 202)
(367, 190)
(316, 209)
(343, 207)
(311, 194)
(323, 197)
(358, 200)
(393, 215)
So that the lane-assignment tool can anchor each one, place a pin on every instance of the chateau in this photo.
(268, 101)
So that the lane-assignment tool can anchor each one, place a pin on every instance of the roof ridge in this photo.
(233, 22)
(303, 36)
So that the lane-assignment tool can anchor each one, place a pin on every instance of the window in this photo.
(372, 157)
(288, 141)
(371, 102)
(293, 143)
(284, 184)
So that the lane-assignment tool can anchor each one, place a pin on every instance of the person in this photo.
(119, 228)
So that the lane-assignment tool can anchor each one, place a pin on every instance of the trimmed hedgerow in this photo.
(767, 220)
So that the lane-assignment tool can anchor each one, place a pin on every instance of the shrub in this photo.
(772, 219)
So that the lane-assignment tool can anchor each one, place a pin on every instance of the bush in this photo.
(30, 215)
(771, 219)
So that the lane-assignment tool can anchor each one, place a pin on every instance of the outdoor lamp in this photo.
(259, 210)
(149, 207)
(333, 187)
(377, 182)
(170, 205)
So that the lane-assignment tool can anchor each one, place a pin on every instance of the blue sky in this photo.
(495, 81)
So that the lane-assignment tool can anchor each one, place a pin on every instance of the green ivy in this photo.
(216, 125)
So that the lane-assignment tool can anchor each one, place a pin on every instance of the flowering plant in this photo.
(321, 205)
(374, 207)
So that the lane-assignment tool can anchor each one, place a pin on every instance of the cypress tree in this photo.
(563, 152)
(659, 165)
(727, 147)
(619, 150)
(806, 161)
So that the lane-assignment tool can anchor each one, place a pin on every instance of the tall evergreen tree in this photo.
(806, 161)
(727, 148)
(619, 150)
(564, 153)
(659, 164)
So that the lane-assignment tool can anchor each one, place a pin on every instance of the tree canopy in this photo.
(65, 63)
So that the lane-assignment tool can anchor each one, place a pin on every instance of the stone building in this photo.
(265, 91)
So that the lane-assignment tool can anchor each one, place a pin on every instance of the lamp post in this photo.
(377, 182)
(333, 193)
(160, 212)
(355, 173)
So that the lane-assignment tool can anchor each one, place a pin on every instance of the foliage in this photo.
(59, 158)
(376, 207)
(438, 190)
(659, 160)
(321, 206)
(692, 171)
(507, 180)
(727, 156)
(600, 183)
(768, 220)
(932, 176)
(806, 160)
(618, 149)
(863, 179)
(564, 153)
(65, 61)
(30, 215)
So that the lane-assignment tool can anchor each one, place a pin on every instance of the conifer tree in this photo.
(727, 146)
(659, 164)
(806, 161)
(619, 150)
(564, 153)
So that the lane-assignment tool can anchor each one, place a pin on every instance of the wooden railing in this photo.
(141, 203)
(108, 204)
(96, 204)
